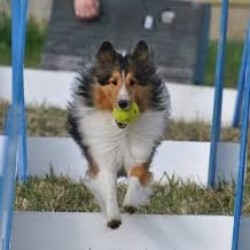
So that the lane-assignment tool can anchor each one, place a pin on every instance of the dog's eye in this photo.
(114, 82)
(103, 80)
(132, 82)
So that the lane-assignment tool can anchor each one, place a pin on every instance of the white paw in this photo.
(113, 224)
(113, 215)
(137, 194)
(112, 210)
(114, 218)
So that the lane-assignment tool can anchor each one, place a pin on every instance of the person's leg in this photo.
(86, 9)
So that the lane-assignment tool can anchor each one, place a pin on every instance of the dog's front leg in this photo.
(139, 187)
(104, 187)
(109, 179)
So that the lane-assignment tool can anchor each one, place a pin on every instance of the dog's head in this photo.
(122, 79)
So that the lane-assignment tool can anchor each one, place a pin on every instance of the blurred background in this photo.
(186, 47)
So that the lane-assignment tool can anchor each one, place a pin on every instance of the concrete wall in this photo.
(238, 16)
(237, 22)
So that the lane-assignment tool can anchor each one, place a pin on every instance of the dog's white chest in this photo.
(112, 147)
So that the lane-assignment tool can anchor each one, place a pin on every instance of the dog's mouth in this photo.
(121, 125)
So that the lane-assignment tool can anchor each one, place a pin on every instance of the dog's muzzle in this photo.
(121, 125)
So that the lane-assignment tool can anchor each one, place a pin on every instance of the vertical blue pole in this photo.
(243, 153)
(22, 147)
(16, 126)
(240, 85)
(219, 75)
(7, 188)
(19, 12)
(15, 14)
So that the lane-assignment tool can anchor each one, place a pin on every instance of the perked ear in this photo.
(106, 53)
(142, 52)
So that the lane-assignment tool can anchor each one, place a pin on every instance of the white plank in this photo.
(186, 160)
(189, 102)
(75, 231)
(41, 87)
(62, 154)
(227, 162)
(244, 241)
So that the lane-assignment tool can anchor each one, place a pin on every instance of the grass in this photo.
(51, 121)
(36, 39)
(233, 58)
(61, 194)
(41, 121)
(52, 193)
(34, 42)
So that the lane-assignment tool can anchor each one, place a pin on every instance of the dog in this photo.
(115, 80)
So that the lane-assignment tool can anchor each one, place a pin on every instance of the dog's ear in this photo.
(142, 52)
(106, 53)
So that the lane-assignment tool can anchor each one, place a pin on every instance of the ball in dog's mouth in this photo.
(121, 125)
(124, 117)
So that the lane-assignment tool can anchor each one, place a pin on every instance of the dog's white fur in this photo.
(123, 93)
(114, 148)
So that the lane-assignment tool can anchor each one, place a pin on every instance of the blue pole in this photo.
(15, 11)
(240, 85)
(19, 13)
(7, 188)
(16, 126)
(22, 147)
(216, 122)
(243, 153)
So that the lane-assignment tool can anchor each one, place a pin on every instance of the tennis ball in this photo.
(126, 116)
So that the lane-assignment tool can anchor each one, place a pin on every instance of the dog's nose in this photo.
(123, 104)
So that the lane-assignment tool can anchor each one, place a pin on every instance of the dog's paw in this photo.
(137, 195)
(113, 224)
(130, 209)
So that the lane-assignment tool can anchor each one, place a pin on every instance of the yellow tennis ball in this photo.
(126, 116)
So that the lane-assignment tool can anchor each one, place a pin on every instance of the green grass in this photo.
(34, 42)
(41, 121)
(61, 194)
(233, 58)
(51, 121)
(36, 38)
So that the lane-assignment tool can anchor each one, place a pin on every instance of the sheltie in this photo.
(115, 80)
